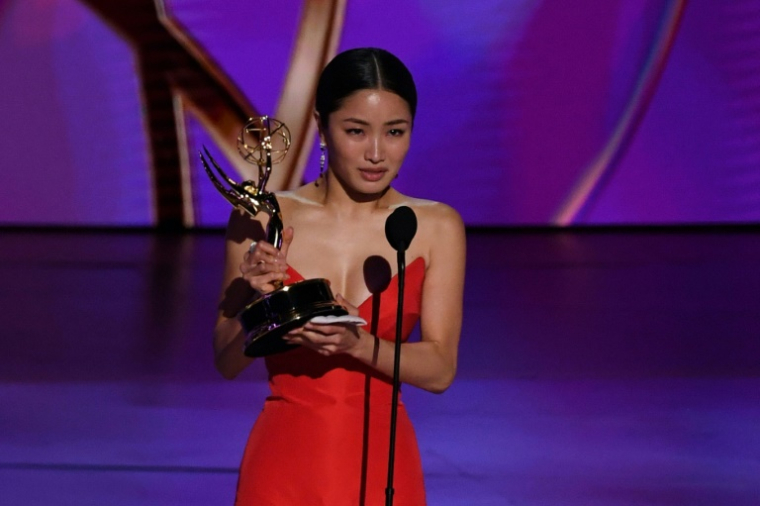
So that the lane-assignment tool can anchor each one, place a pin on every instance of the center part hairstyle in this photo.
(365, 68)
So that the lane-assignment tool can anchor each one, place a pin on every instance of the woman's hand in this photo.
(329, 339)
(264, 265)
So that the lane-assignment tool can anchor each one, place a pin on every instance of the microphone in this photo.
(400, 228)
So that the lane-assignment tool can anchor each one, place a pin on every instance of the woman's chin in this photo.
(369, 191)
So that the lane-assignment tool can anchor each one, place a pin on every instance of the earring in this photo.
(322, 149)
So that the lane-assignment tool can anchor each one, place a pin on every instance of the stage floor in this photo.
(601, 367)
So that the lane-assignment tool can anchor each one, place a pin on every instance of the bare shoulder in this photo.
(434, 215)
(295, 202)
(244, 228)
(440, 230)
(296, 197)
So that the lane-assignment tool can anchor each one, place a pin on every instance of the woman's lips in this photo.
(372, 174)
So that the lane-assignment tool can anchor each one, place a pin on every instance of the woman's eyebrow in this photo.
(363, 122)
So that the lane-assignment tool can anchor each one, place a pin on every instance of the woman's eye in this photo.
(397, 132)
(354, 131)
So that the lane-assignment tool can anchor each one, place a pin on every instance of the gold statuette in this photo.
(265, 141)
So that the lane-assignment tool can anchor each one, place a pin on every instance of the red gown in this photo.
(322, 437)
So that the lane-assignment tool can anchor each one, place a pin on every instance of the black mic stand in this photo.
(400, 228)
(401, 258)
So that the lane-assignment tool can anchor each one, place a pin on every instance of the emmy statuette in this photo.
(265, 141)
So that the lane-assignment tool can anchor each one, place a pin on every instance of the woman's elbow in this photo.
(442, 382)
(228, 365)
(228, 375)
(228, 357)
(226, 372)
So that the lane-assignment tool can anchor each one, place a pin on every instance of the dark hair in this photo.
(365, 68)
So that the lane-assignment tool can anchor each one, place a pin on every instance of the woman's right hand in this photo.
(264, 265)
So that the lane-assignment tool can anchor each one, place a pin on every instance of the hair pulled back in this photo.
(366, 68)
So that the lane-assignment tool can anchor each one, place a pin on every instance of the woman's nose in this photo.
(375, 152)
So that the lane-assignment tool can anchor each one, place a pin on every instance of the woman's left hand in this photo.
(328, 339)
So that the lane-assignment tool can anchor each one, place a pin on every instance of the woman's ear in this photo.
(320, 127)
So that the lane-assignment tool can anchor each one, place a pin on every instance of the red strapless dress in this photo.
(322, 436)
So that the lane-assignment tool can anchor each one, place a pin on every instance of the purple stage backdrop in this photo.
(532, 112)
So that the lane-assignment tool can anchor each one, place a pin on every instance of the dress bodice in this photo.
(303, 376)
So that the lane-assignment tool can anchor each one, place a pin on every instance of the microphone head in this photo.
(400, 228)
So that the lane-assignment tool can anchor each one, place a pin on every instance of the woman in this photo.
(322, 436)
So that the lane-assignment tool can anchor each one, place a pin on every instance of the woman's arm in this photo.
(245, 278)
(430, 363)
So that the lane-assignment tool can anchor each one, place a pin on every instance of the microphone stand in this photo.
(401, 257)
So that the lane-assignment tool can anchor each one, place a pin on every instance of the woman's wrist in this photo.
(365, 349)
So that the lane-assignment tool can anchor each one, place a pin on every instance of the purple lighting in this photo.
(528, 105)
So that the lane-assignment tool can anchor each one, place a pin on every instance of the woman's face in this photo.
(367, 140)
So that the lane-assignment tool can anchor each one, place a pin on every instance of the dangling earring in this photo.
(322, 149)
